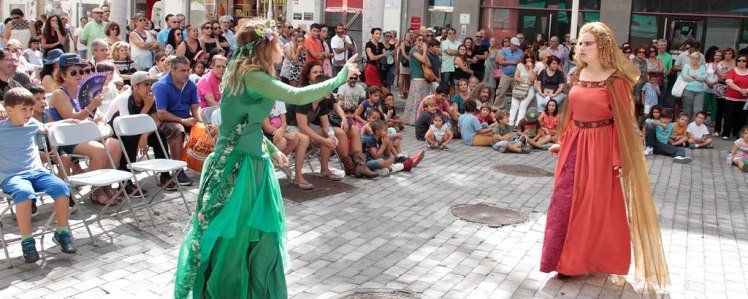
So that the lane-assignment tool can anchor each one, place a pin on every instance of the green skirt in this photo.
(241, 253)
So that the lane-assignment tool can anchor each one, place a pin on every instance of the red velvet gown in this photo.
(586, 226)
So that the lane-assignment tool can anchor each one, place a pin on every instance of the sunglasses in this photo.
(81, 72)
(742, 60)
(640, 52)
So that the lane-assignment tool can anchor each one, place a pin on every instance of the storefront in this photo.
(532, 17)
(246, 8)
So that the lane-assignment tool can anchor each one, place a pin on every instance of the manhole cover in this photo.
(523, 170)
(374, 294)
(488, 214)
(322, 187)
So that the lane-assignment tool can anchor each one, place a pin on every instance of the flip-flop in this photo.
(302, 186)
(330, 176)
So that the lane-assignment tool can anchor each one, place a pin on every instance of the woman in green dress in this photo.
(235, 245)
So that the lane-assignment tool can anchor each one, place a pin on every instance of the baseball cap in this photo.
(70, 59)
(514, 41)
(140, 77)
(532, 113)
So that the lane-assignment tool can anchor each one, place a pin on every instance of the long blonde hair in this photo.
(261, 58)
(608, 51)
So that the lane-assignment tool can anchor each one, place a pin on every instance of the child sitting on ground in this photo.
(739, 153)
(22, 173)
(530, 132)
(439, 133)
(653, 119)
(549, 120)
(473, 133)
(388, 108)
(423, 123)
(395, 137)
(379, 151)
(373, 103)
(504, 140)
(679, 136)
(698, 132)
(350, 113)
(485, 116)
(658, 134)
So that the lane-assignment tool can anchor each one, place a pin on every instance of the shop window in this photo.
(644, 28)
(744, 38)
(722, 32)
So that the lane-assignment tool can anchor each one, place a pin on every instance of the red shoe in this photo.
(414, 160)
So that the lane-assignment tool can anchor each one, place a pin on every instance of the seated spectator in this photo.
(99, 51)
(458, 100)
(34, 54)
(51, 65)
(680, 136)
(698, 132)
(482, 95)
(395, 137)
(440, 100)
(531, 133)
(158, 68)
(549, 83)
(15, 48)
(22, 173)
(739, 153)
(473, 83)
(349, 109)
(208, 86)
(380, 154)
(425, 118)
(8, 67)
(197, 71)
(373, 103)
(549, 120)
(139, 100)
(473, 133)
(110, 90)
(390, 115)
(485, 115)
(504, 140)
(177, 104)
(288, 140)
(351, 92)
(63, 105)
(439, 133)
(40, 104)
(657, 137)
(120, 55)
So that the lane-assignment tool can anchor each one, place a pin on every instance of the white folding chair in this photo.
(69, 134)
(205, 115)
(138, 124)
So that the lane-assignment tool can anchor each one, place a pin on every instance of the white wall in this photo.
(392, 18)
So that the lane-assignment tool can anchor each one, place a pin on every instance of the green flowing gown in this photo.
(235, 245)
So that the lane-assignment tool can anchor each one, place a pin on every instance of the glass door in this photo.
(681, 31)
(546, 23)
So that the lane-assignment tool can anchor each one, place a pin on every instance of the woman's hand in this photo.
(344, 124)
(278, 133)
(279, 159)
(97, 100)
(555, 148)
(352, 66)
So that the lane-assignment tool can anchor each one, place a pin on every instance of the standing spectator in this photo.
(106, 12)
(173, 41)
(449, 49)
(559, 50)
(655, 67)
(19, 28)
(287, 33)
(122, 59)
(640, 61)
(326, 64)
(218, 35)
(389, 60)
(228, 33)
(208, 86)
(341, 44)
(404, 64)
(94, 30)
(508, 59)
(191, 46)
(112, 31)
(684, 58)
(723, 68)
(710, 99)
(735, 98)
(54, 35)
(177, 103)
(667, 63)
(480, 52)
(142, 44)
(80, 48)
(435, 59)
(173, 23)
(294, 59)
(490, 63)
(419, 87)
(315, 51)
(462, 65)
(695, 76)
(375, 54)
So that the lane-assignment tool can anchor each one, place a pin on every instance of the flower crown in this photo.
(264, 31)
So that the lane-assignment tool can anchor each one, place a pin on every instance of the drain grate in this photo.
(380, 294)
(322, 187)
(487, 214)
(523, 170)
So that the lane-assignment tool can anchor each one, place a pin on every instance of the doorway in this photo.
(680, 31)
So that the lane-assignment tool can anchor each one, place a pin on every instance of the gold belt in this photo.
(593, 124)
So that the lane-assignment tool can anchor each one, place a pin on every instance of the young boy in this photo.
(374, 102)
(33, 54)
(657, 137)
(425, 118)
(22, 173)
(40, 115)
(473, 133)
(530, 131)
(379, 151)
(679, 136)
(504, 139)
(698, 132)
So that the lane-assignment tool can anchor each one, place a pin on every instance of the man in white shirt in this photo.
(227, 33)
(81, 48)
(351, 92)
(341, 43)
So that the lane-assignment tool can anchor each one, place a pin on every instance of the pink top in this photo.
(208, 84)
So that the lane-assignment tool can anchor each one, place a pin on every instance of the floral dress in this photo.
(235, 247)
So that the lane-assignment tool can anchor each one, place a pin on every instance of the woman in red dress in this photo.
(601, 175)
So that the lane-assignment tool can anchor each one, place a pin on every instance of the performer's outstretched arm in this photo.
(270, 88)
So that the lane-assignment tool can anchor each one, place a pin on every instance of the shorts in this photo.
(23, 187)
(173, 129)
(67, 149)
(374, 164)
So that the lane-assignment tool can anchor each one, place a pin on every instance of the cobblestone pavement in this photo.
(397, 233)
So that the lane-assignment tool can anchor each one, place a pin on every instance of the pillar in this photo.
(373, 17)
(469, 9)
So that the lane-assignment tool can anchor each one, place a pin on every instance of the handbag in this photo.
(678, 87)
(520, 91)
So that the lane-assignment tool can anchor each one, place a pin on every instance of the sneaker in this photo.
(400, 159)
(648, 151)
(132, 190)
(526, 150)
(183, 179)
(65, 241)
(682, 160)
(693, 146)
(30, 255)
(502, 150)
(382, 172)
(34, 209)
(709, 146)
(397, 167)
(413, 161)
(725, 137)
(172, 185)
(546, 146)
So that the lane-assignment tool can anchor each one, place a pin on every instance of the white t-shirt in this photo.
(351, 94)
(119, 104)
(280, 108)
(34, 57)
(77, 34)
(337, 43)
(697, 131)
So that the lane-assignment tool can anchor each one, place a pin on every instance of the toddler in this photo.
(698, 133)
(504, 139)
(739, 152)
(439, 133)
(650, 93)
(679, 136)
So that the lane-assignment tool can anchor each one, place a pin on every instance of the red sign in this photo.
(415, 23)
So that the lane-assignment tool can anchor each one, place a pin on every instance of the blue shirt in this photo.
(510, 56)
(170, 98)
(650, 94)
(469, 127)
(18, 151)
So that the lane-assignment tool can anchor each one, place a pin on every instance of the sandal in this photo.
(330, 176)
(302, 186)
(99, 198)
